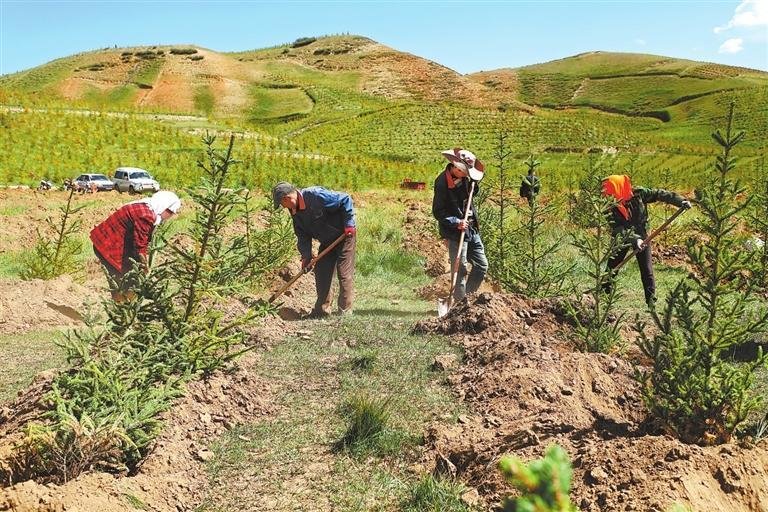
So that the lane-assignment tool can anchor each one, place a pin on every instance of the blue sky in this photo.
(465, 36)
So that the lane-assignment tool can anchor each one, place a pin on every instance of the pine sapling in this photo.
(544, 484)
(693, 388)
(758, 222)
(534, 269)
(596, 323)
(57, 248)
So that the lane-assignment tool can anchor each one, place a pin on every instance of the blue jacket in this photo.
(325, 215)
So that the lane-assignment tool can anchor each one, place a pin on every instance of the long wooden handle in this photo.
(455, 268)
(650, 237)
(311, 264)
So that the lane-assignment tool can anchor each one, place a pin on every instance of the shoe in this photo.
(314, 315)
(344, 312)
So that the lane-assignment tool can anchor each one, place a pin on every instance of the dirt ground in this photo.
(173, 478)
(527, 389)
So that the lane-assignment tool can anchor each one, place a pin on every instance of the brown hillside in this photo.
(390, 73)
(166, 80)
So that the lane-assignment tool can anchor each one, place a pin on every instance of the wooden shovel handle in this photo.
(311, 264)
(457, 260)
(650, 237)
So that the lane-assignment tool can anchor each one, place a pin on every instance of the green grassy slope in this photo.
(633, 84)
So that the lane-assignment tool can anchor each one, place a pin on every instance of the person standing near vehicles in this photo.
(629, 217)
(122, 240)
(449, 205)
(323, 215)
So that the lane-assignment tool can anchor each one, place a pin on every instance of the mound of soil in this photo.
(418, 238)
(40, 305)
(298, 300)
(173, 478)
(528, 389)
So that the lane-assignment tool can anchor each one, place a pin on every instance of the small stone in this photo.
(463, 418)
(204, 455)
(566, 391)
(205, 418)
(598, 475)
(637, 476)
(445, 362)
(471, 498)
(493, 421)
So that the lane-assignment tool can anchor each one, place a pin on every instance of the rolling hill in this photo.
(349, 96)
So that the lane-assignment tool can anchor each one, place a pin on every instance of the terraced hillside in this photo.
(633, 84)
(316, 102)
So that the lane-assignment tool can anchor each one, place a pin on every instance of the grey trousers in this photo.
(341, 261)
(473, 252)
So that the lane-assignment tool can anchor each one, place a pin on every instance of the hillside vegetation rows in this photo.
(348, 106)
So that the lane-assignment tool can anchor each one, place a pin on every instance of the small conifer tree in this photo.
(544, 484)
(596, 323)
(533, 269)
(758, 222)
(693, 388)
(57, 249)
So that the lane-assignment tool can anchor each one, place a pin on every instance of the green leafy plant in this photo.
(693, 389)
(57, 249)
(544, 484)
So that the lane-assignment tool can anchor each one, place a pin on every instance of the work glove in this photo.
(306, 264)
(685, 204)
(350, 231)
(639, 245)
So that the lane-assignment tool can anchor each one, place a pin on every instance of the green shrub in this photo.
(544, 484)
(303, 41)
(183, 51)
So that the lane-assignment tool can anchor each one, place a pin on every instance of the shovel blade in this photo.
(442, 307)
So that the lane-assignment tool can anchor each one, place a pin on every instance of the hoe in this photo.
(295, 278)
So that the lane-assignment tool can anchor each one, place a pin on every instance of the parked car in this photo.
(134, 180)
(92, 183)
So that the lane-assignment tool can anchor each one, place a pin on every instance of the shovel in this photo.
(443, 305)
(308, 268)
(650, 237)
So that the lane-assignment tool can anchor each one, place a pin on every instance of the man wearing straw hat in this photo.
(449, 207)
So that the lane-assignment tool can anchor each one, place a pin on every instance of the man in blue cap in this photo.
(323, 215)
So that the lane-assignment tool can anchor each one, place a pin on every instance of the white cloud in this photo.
(639, 41)
(733, 45)
(749, 13)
